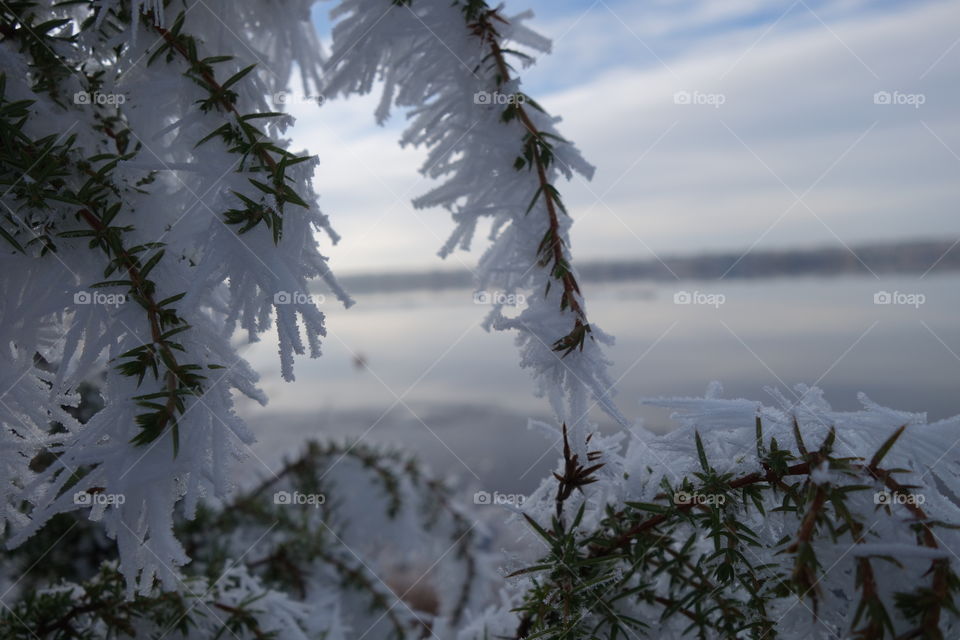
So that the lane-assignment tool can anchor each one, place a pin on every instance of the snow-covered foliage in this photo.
(346, 541)
(152, 209)
(784, 521)
(792, 520)
(237, 602)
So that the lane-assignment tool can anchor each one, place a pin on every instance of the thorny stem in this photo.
(156, 334)
(130, 264)
(869, 593)
(575, 475)
(756, 477)
(236, 131)
(216, 88)
(939, 568)
(699, 581)
(553, 246)
(803, 573)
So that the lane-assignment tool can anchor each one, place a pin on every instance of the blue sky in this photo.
(797, 153)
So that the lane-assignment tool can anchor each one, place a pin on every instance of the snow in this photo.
(173, 193)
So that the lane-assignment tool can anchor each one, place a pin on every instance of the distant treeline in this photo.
(904, 257)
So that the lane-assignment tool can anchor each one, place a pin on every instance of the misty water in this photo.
(434, 382)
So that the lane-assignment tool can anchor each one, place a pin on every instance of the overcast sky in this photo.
(782, 142)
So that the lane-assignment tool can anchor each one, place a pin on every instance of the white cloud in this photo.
(797, 102)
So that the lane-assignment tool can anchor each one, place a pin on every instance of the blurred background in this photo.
(775, 203)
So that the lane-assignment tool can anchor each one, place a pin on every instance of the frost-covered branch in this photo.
(744, 536)
(537, 154)
(296, 556)
(142, 212)
(499, 156)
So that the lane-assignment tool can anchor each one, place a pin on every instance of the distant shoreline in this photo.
(918, 257)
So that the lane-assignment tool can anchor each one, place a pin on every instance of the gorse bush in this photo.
(795, 521)
(274, 562)
(152, 209)
(774, 529)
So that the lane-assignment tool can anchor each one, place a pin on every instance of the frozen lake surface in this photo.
(437, 384)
